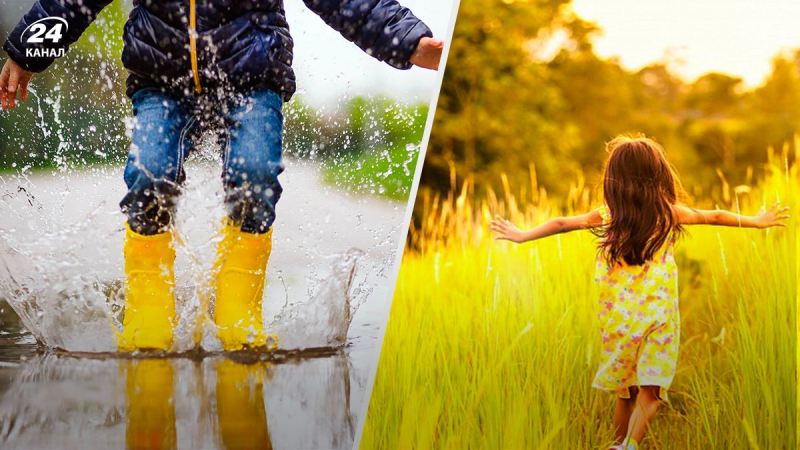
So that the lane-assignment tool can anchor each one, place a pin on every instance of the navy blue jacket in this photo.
(243, 44)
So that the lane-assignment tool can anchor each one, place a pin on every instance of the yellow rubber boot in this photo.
(149, 292)
(242, 262)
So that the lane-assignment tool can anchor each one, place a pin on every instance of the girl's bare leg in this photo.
(647, 404)
(622, 415)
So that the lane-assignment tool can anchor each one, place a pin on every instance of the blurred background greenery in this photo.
(525, 86)
(76, 112)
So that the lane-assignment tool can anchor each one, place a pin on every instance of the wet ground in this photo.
(58, 399)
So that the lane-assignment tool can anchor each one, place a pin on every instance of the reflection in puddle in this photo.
(241, 412)
(150, 406)
(49, 400)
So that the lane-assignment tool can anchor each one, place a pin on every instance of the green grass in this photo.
(389, 173)
(494, 345)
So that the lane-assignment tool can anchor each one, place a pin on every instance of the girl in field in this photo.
(637, 276)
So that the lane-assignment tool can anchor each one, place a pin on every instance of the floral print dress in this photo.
(639, 322)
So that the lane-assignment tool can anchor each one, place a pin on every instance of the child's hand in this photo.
(505, 230)
(428, 53)
(772, 217)
(12, 77)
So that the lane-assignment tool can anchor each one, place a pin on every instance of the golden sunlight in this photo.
(737, 37)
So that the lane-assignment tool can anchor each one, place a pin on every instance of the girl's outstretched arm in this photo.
(508, 231)
(772, 217)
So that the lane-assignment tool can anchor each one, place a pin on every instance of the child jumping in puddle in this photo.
(213, 65)
(636, 275)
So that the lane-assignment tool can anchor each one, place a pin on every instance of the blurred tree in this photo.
(714, 95)
(498, 110)
(777, 103)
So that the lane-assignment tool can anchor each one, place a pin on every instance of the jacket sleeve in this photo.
(78, 14)
(384, 29)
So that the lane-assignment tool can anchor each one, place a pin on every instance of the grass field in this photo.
(389, 173)
(494, 345)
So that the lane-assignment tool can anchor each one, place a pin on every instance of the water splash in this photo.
(322, 321)
(61, 265)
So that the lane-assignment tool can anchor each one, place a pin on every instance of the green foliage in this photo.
(509, 99)
(389, 173)
(368, 145)
(497, 107)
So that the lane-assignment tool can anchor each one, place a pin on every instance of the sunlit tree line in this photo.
(523, 86)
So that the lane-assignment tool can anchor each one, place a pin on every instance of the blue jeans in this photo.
(249, 128)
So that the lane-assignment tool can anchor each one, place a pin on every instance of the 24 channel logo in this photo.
(42, 32)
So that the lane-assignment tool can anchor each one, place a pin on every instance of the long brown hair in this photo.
(640, 188)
